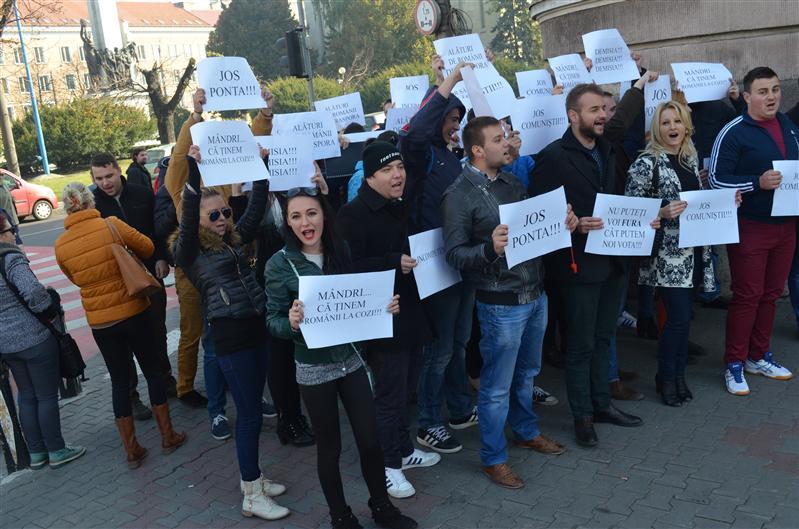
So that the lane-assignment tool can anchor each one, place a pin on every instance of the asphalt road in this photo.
(42, 232)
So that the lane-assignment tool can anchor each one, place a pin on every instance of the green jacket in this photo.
(282, 287)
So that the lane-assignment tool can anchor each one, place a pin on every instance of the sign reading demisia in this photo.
(319, 126)
(534, 83)
(408, 91)
(432, 273)
(346, 109)
(786, 197)
(627, 230)
(702, 81)
(229, 84)
(569, 71)
(536, 226)
(290, 161)
(229, 153)
(710, 218)
(610, 57)
(344, 308)
(540, 120)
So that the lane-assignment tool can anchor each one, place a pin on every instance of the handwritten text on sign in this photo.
(786, 197)
(290, 161)
(346, 308)
(569, 71)
(534, 83)
(319, 126)
(229, 84)
(463, 48)
(702, 81)
(229, 153)
(627, 230)
(432, 273)
(536, 226)
(655, 93)
(710, 218)
(610, 57)
(346, 109)
(408, 91)
(540, 120)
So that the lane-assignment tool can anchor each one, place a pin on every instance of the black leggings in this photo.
(282, 378)
(322, 404)
(116, 343)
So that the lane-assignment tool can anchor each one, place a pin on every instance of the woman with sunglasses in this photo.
(328, 374)
(208, 247)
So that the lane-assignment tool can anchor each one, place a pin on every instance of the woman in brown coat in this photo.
(119, 322)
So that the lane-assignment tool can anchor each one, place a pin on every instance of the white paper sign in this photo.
(534, 83)
(346, 308)
(536, 226)
(319, 126)
(702, 81)
(490, 95)
(229, 84)
(360, 137)
(399, 117)
(627, 230)
(463, 48)
(290, 161)
(346, 109)
(569, 71)
(610, 57)
(229, 153)
(432, 273)
(710, 218)
(655, 93)
(786, 197)
(408, 91)
(540, 120)
(478, 100)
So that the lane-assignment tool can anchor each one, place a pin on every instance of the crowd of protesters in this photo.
(238, 257)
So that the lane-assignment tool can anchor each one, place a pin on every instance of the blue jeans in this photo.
(646, 302)
(245, 373)
(673, 347)
(511, 342)
(793, 284)
(214, 379)
(443, 371)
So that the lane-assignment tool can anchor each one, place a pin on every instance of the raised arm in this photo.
(178, 173)
(187, 244)
(141, 244)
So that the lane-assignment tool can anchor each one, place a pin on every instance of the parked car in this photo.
(30, 199)
(155, 154)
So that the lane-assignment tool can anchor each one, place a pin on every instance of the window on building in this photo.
(87, 80)
(11, 113)
(39, 54)
(23, 84)
(71, 83)
(5, 85)
(176, 74)
(66, 54)
(45, 83)
(18, 55)
(141, 52)
(82, 54)
(2, 57)
(27, 109)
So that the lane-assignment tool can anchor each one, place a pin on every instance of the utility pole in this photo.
(307, 55)
(9, 148)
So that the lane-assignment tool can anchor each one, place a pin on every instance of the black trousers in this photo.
(321, 402)
(157, 312)
(282, 377)
(117, 343)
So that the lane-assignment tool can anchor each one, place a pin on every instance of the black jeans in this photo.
(116, 343)
(322, 404)
(157, 312)
(282, 377)
(396, 376)
(673, 347)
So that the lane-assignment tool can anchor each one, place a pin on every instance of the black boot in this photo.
(647, 328)
(345, 521)
(386, 515)
(683, 393)
(293, 432)
(668, 392)
(584, 432)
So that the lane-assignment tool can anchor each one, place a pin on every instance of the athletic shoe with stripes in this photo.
(396, 484)
(438, 439)
(464, 422)
(420, 458)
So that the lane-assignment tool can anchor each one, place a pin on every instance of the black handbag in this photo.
(658, 241)
(70, 361)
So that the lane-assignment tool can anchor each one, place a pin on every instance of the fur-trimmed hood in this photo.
(209, 241)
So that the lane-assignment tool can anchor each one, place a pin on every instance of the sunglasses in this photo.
(306, 191)
(214, 215)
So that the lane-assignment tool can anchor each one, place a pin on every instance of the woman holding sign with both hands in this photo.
(667, 167)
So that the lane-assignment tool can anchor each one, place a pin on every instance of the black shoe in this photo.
(718, 303)
(294, 433)
(306, 426)
(683, 392)
(194, 399)
(668, 393)
(694, 349)
(585, 433)
(171, 387)
(647, 328)
(345, 521)
(386, 515)
(617, 417)
(140, 411)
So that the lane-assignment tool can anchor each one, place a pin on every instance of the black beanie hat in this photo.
(378, 154)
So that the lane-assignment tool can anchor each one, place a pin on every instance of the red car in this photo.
(30, 199)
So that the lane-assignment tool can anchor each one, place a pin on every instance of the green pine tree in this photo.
(517, 35)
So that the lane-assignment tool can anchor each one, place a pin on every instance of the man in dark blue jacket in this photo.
(431, 168)
(759, 264)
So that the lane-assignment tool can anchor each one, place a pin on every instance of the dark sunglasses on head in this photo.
(214, 215)
(307, 191)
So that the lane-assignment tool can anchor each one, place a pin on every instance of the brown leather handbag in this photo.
(139, 281)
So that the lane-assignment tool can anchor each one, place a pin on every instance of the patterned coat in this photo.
(673, 266)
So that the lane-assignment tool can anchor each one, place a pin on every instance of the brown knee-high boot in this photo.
(128, 434)
(170, 440)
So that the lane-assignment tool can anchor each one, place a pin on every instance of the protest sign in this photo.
(540, 120)
(229, 84)
(432, 273)
(534, 83)
(627, 230)
(346, 308)
(786, 197)
(479, 101)
(346, 109)
(463, 48)
(569, 71)
(490, 95)
(319, 126)
(702, 81)
(710, 218)
(229, 153)
(399, 117)
(408, 91)
(359, 137)
(655, 93)
(290, 161)
(610, 57)
(536, 226)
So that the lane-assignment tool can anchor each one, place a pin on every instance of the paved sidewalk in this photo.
(722, 461)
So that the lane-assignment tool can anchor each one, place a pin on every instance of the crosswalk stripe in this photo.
(41, 259)
(48, 269)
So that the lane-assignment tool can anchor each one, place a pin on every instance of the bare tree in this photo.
(164, 106)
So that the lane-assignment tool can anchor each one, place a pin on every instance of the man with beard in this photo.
(589, 285)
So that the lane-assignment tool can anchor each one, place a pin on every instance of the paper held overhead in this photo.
(229, 84)
(610, 57)
(229, 153)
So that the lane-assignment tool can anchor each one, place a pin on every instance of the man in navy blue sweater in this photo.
(742, 159)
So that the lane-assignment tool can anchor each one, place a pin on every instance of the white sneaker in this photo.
(396, 484)
(734, 377)
(768, 368)
(256, 503)
(627, 320)
(420, 458)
